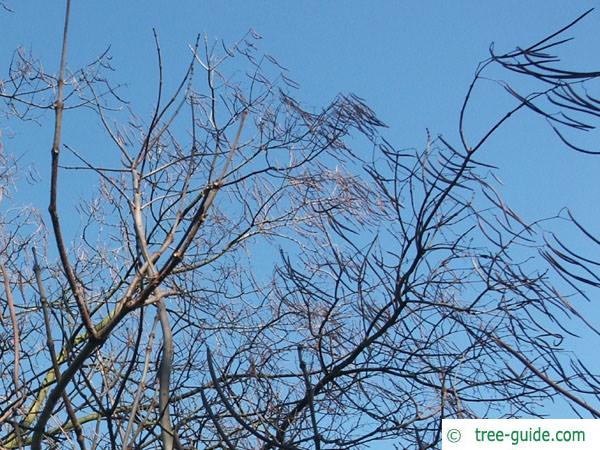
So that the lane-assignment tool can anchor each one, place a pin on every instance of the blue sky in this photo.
(410, 61)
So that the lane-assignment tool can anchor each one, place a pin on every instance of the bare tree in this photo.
(252, 273)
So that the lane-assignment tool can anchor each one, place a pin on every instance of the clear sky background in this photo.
(411, 62)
